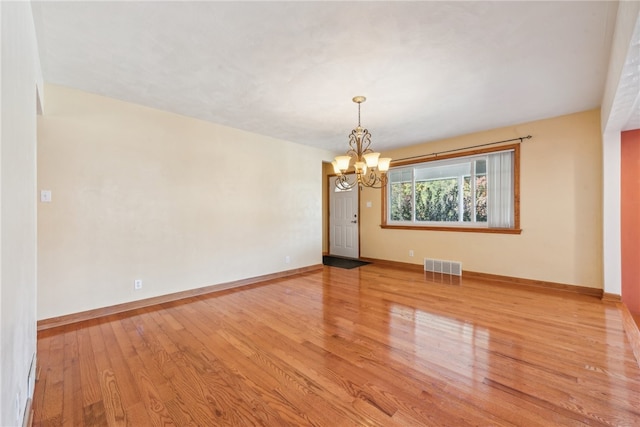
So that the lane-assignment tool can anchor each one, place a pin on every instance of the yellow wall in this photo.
(560, 209)
(180, 203)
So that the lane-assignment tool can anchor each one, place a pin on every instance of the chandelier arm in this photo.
(378, 183)
(353, 153)
(342, 182)
(365, 142)
(370, 179)
(359, 146)
(373, 177)
(354, 143)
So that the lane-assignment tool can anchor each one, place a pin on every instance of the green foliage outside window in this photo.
(401, 201)
(481, 199)
(438, 200)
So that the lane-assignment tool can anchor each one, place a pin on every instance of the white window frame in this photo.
(509, 219)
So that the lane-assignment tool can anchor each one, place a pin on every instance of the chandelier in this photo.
(370, 169)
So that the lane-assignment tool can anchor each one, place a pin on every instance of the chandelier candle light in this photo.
(370, 169)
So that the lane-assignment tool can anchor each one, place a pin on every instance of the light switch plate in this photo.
(45, 196)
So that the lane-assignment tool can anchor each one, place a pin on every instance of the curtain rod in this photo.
(521, 139)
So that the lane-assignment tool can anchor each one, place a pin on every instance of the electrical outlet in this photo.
(287, 259)
(410, 252)
(137, 284)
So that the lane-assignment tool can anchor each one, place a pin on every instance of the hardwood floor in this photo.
(373, 346)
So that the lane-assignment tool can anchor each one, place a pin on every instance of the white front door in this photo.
(343, 221)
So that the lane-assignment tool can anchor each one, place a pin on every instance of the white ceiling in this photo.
(429, 70)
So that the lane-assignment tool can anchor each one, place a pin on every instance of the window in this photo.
(465, 192)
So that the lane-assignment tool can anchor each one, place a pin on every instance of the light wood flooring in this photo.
(372, 346)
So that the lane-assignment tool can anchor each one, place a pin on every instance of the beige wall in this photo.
(561, 209)
(20, 71)
(179, 203)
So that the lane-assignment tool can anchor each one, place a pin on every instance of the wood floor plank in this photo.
(129, 394)
(150, 383)
(88, 372)
(53, 375)
(71, 414)
(373, 346)
(227, 396)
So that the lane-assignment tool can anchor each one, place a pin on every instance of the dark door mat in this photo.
(347, 263)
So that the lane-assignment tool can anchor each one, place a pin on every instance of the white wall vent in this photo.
(445, 267)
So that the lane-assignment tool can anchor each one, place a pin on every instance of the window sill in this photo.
(461, 229)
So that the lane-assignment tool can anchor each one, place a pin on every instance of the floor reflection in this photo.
(383, 317)
(442, 278)
(429, 339)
